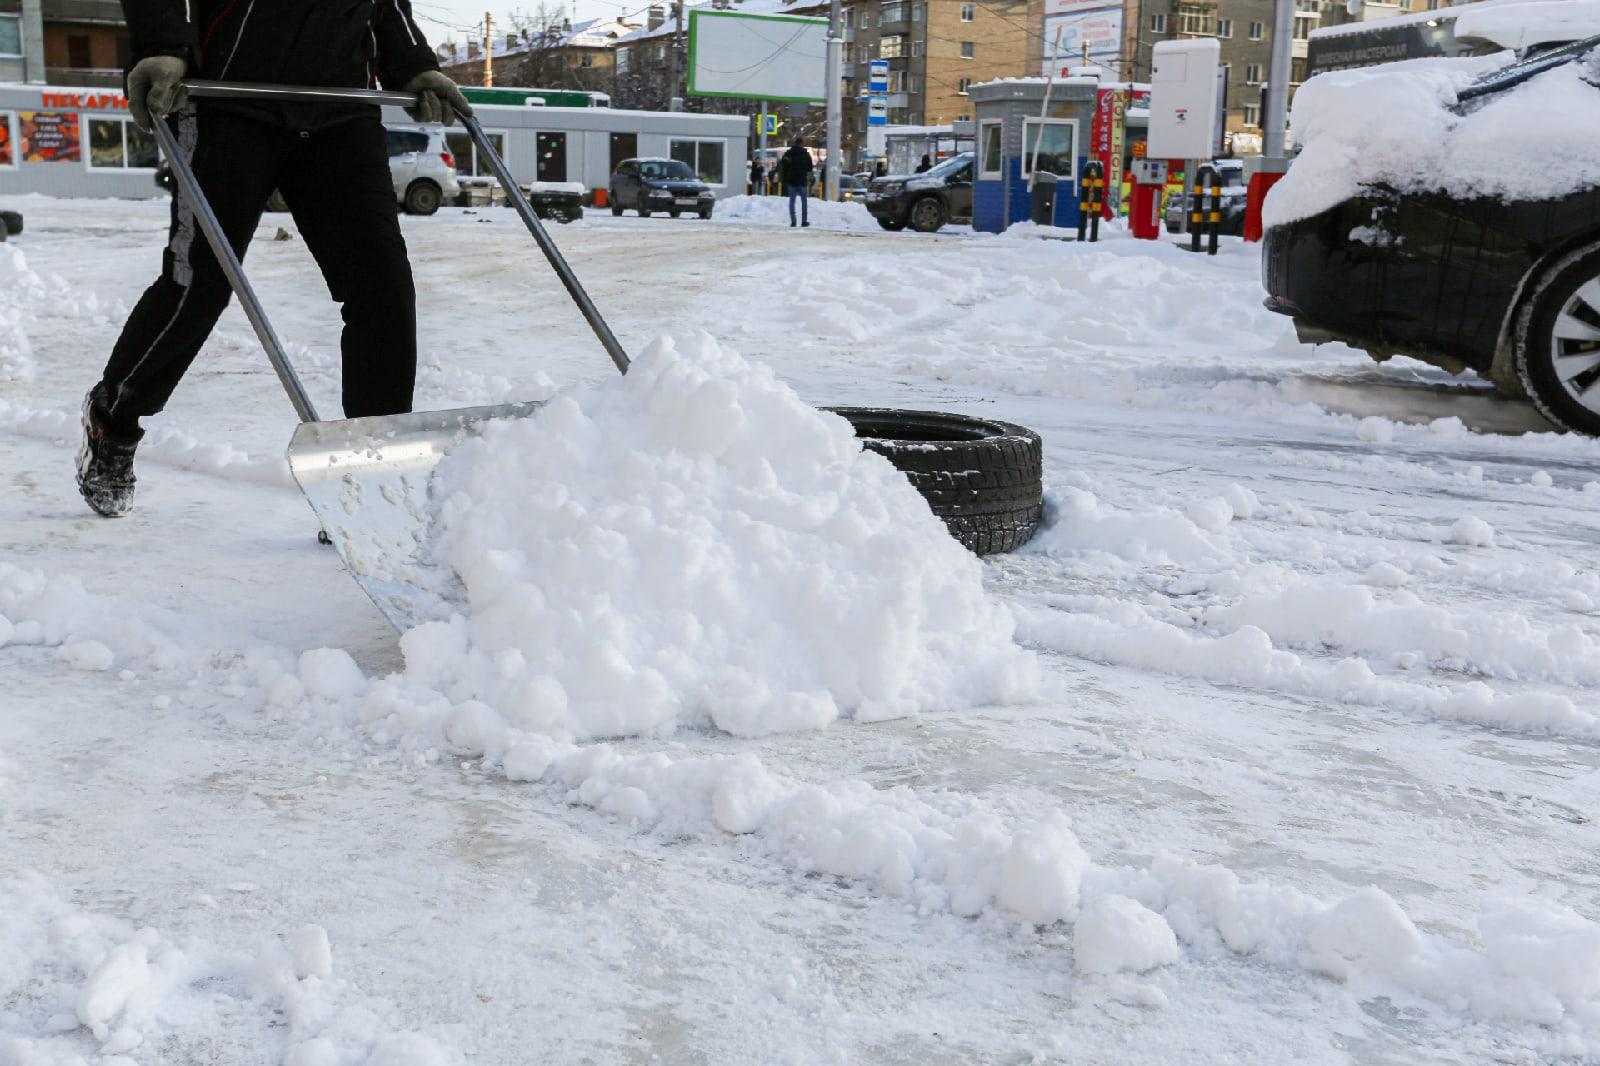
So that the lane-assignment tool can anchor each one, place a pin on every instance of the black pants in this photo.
(336, 181)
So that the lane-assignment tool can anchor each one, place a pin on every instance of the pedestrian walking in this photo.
(329, 161)
(795, 168)
(926, 164)
(880, 169)
(757, 173)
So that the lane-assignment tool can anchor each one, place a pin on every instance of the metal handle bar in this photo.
(230, 90)
(189, 188)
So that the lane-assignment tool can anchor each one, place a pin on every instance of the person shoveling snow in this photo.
(329, 161)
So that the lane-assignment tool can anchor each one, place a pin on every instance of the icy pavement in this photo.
(1318, 701)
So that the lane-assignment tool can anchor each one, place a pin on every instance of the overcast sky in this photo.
(444, 20)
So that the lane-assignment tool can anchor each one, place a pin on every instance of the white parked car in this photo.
(423, 169)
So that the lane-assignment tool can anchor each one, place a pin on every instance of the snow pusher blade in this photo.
(368, 479)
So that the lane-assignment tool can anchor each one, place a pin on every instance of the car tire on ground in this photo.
(616, 209)
(892, 225)
(705, 213)
(11, 222)
(927, 215)
(1557, 343)
(423, 198)
(276, 202)
(674, 214)
(983, 478)
(644, 207)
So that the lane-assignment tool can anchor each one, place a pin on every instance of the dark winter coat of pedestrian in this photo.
(757, 172)
(925, 166)
(795, 169)
(330, 162)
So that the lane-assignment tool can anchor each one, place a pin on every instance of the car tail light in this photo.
(449, 160)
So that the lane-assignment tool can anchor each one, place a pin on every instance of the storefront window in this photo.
(468, 163)
(705, 157)
(117, 144)
(10, 35)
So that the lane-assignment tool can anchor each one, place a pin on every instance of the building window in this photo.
(989, 158)
(866, 18)
(705, 157)
(916, 49)
(1225, 28)
(1257, 31)
(117, 144)
(1055, 140)
(1303, 27)
(10, 35)
(1158, 24)
(891, 47)
(916, 12)
(1252, 115)
(892, 13)
(587, 60)
(962, 85)
(1194, 23)
(468, 165)
(911, 84)
(8, 137)
(79, 56)
(967, 49)
(969, 12)
(1252, 74)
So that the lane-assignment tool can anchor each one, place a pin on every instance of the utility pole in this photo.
(488, 49)
(1277, 117)
(830, 171)
(672, 59)
(33, 71)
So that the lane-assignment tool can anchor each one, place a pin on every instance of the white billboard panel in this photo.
(758, 57)
(1183, 99)
(1072, 7)
(1101, 30)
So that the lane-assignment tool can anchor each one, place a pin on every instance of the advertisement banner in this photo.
(49, 136)
(1100, 31)
(1106, 138)
(7, 153)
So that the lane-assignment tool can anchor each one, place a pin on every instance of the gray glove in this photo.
(155, 87)
(438, 99)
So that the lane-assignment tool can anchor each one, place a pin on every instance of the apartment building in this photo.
(562, 55)
(63, 42)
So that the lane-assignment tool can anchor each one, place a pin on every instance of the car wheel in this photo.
(892, 225)
(705, 213)
(674, 214)
(616, 209)
(276, 202)
(11, 222)
(983, 478)
(423, 198)
(1557, 350)
(644, 207)
(927, 215)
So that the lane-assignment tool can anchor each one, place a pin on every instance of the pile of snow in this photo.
(692, 543)
(774, 211)
(1524, 25)
(1517, 144)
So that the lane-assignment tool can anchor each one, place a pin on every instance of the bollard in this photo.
(1090, 201)
(1197, 203)
(1214, 216)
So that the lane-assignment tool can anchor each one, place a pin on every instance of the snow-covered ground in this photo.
(1295, 762)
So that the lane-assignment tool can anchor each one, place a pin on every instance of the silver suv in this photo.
(423, 169)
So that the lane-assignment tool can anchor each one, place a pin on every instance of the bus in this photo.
(511, 96)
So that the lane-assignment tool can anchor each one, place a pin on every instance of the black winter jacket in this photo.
(795, 167)
(341, 43)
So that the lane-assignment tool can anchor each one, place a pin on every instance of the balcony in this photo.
(104, 12)
(86, 77)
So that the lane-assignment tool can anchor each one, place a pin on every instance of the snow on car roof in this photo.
(1520, 143)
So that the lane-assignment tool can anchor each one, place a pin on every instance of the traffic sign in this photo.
(878, 76)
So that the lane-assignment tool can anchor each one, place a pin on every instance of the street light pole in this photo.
(830, 189)
(1276, 120)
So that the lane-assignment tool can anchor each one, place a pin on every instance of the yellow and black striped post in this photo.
(1197, 205)
(1214, 214)
(1091, 195)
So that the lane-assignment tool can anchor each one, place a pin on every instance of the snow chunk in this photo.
(331, 673)
(1115, 933)
(313, 957)
(1375, 430)
(86, 655)
(1365, 930)
(1474, 532)
(693, 543)
(1540, 479)
(1042, 872)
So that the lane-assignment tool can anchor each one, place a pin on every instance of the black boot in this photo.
(105, 462)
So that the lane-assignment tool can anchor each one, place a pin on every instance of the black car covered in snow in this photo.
(669, 186)
(1507, 287)
(924, 201)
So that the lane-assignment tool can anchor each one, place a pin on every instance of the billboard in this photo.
(1100, 29)
(1073, 7)
(758, 57)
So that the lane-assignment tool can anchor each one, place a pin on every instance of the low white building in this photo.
(81, 142)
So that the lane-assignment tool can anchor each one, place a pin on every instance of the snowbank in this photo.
(17, 286)
(774, 211)
(692, 543)
(1518, 144)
